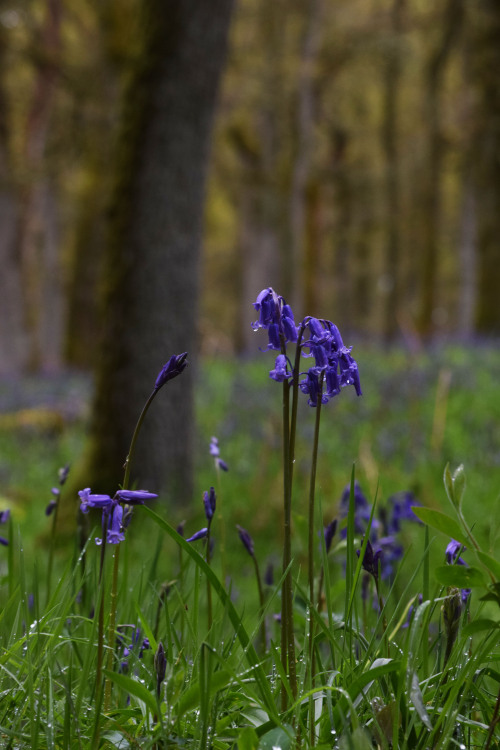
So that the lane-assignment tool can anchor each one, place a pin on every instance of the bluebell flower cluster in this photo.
(334, 367)
(215, 452)
(383, 544)
(114, 519)
(4, 517)
(127, 645)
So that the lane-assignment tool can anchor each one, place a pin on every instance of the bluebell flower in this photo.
(215, 452)
(128, 646)
(276, 317)
(175, 365)
(361, 510)
(135, 497)
(201, 534)
(329, 533)
(401, 503)
(452, 558)
(4, 517)
(115, 530)
(371, 559)
(53, 503)
(180, 528)
(89, 501)
(63, 474)
(209, 500)
(246, 540)
(452, 553)
(311, 386)
(280, 372)
(269, 574)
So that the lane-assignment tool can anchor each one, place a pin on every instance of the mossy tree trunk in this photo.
(150, 285)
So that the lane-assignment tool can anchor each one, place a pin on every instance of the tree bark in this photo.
(151, 266)
(431, 220)
(485, 61)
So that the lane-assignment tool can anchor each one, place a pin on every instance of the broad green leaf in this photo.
(490, 563)
(441, 522)
(477, 626)
(248, 739)
(460, 576)
(134, 687)
(279, 738)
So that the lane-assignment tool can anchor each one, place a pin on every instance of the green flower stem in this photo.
(261, 604)
(114, 584)
(288, 656)
(310, 556)
(222, 530)
(209, 587)
(52, 545)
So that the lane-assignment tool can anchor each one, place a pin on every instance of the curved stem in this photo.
(114, 584)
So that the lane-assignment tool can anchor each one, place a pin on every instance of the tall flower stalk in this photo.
(333, 369)
(116, 515)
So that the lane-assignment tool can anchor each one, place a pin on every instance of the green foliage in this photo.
(403, 671)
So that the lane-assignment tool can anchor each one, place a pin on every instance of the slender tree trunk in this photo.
(451, 26)
(152, 257)
(390, 132)
(304, 126)
(485, 62)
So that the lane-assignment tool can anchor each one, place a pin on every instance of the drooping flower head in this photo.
(114, 520)
(276, 317)
(175, 365)
(334, 366)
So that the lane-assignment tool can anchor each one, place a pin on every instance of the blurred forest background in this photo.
(354, 166)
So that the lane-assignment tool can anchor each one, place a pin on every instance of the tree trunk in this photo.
(390, 132)
(152, 256)
(431, 220)
(485, 62)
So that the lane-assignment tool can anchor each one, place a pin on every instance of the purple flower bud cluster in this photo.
(4, 517)
(215, 452)
(333, 367)
(62, 475)
(134, 642)
(114, 521)
(383, 544)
